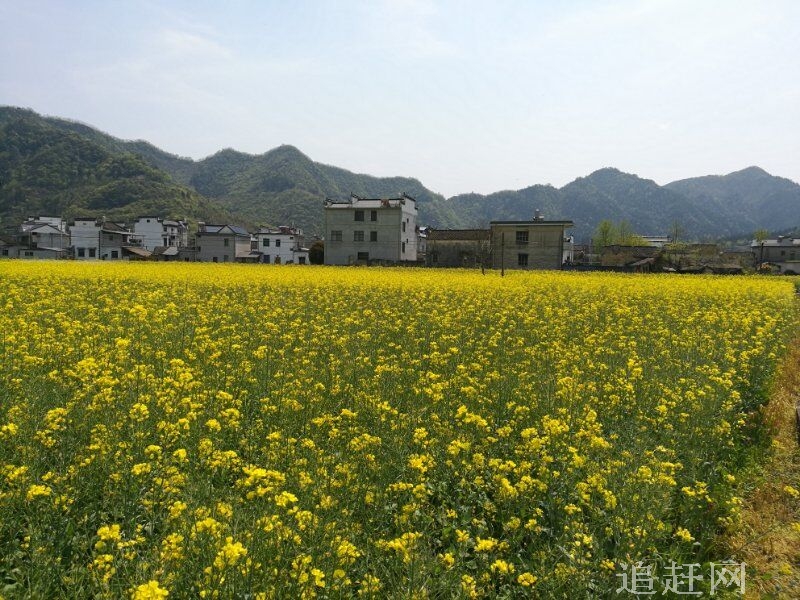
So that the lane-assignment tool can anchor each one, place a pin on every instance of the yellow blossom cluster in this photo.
(220, 431)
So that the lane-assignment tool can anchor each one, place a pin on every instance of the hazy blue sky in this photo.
(466, 96)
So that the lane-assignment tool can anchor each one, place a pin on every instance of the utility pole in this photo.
(503, 254)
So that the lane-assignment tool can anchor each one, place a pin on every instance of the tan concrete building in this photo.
(528, 245)
(466, 248)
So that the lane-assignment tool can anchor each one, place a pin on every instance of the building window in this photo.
(404, 226)
(336, 235)
(92, 252)
(81, 252)
(28, 254)
(226, 242)
(358, 236)
(277, 243)
(373, 215)
(434, 257)
(522, 260)
(403, 247)
(359, 215)
(265, 243)
(301, 260)
(114, 254)
(363, 256)
(522, 237)
(373, 236)
(266, 258)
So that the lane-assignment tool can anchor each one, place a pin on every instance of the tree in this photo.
(626, 236)
(604, 235)
(676, 231)
(316, 253)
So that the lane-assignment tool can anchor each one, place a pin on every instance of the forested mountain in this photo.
(702, 208)
(745, 200)
(282, 186)
(46, 170)
(51, 165)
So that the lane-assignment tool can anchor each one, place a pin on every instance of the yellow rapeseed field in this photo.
(179, 430)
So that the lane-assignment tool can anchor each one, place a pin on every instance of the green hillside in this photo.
(649, 208)
(64, 167)
(745, 200)
(47, 170)
(282, 186)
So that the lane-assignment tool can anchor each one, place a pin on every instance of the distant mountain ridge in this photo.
(59, 166)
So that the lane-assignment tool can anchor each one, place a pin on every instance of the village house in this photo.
(527, 245)
(280, 245)
(782, 253)
(161, 233)
(659, 241)
(630, 258)
(223, 243)
(459, 248)
(100, 239)
(366, 230)
(422, 244)
(38, 237)
(7, 248)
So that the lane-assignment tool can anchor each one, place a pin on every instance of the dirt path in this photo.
(769, 538)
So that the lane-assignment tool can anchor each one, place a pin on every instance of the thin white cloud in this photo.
(473, 95)
(190, 45)
(408, 28)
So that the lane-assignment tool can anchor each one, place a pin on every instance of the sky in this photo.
(464, 96)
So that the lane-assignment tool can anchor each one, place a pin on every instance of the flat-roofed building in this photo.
(368, 230)
(280, 245)
(528, 245)
(161, 233)
(100, 239)
(783, 253)
(458, 248)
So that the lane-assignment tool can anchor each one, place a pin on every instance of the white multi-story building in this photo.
(281, 245)
(85, 238)
(161, 233)
(362, 230)
(94, 239)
